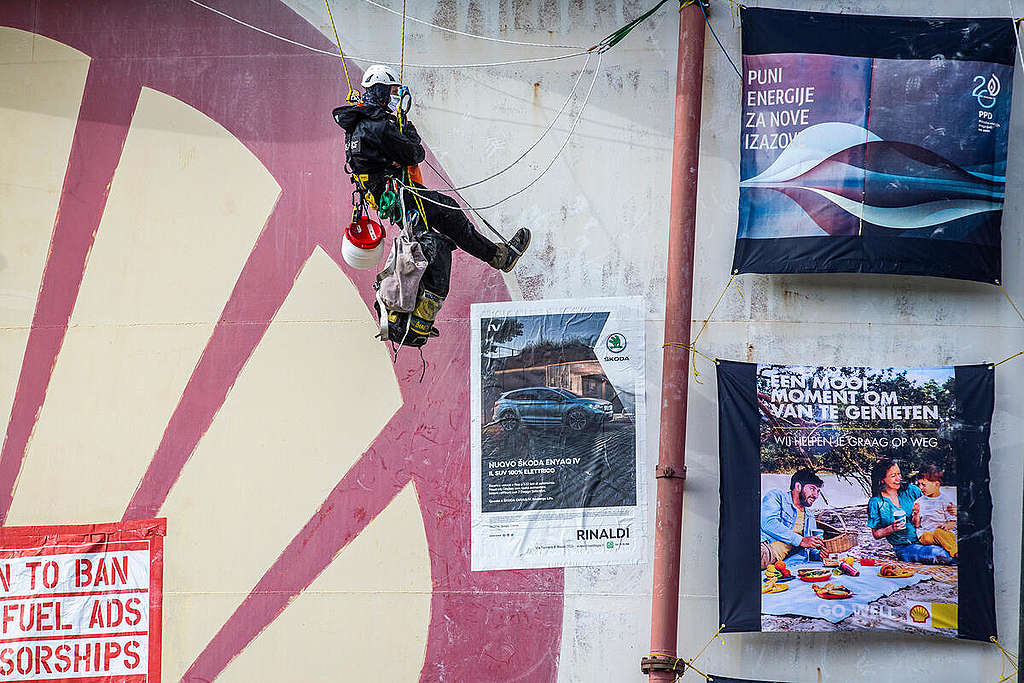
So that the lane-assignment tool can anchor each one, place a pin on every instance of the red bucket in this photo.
(362, 247)
(364, 233)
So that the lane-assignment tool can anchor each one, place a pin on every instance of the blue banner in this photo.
(873, 144)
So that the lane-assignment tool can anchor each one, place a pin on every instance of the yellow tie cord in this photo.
(1019, 314)
(1008, 657)
(692, 346)
(689, 662)
(401, 54)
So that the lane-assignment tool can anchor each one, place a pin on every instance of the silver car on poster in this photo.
(550, 406)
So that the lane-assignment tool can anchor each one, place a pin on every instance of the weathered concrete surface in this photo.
(599, 218)
(600, 225)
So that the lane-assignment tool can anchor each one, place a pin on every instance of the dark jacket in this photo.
(373, 142)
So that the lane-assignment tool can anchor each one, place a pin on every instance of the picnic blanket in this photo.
(801, 600)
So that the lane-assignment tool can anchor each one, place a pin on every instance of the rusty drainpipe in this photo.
(671, 469)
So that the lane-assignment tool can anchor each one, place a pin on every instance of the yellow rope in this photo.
(679, 345)
(401, 56)
(693, 344)
(1006, 359)
(689, 662)
(401, 76)
(711, 640)
(352, 94)
(695, 669)
(1007, 295)
(1007, 657)
(714, 308)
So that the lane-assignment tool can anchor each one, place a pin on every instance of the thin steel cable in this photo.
(572, 129)
(463, 199)
(550, 125)
(473, 35)
(374, 60)
(720, 46)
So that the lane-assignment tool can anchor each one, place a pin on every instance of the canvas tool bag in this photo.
(398, 285)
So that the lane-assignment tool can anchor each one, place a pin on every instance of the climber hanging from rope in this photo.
(378, 148)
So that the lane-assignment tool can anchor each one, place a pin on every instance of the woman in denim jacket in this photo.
(890, 515)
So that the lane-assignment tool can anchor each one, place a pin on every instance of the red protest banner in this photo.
(82, 602)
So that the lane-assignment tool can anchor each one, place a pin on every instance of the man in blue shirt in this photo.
(787, 522)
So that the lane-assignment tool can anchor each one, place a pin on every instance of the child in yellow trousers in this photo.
(935, 511)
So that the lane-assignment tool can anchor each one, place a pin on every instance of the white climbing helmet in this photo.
(380, 73)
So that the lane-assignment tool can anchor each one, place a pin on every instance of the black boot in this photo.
(507, 255)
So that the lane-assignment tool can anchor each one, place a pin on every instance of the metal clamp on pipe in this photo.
(662, 663)
(669, 472)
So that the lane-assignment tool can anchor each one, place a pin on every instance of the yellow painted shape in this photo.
(945, 615)
(311, 399)
(38, 113)
(15, 48)
(112, 392)
(365, 618)
(186, 204)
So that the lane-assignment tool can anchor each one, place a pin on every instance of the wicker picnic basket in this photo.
(837, 540)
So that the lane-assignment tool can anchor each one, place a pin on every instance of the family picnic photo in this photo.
(858, 512)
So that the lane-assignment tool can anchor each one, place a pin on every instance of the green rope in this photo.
(612, 38)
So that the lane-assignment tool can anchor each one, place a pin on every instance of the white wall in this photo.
(600, 221)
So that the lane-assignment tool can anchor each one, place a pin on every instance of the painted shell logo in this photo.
(919, 614)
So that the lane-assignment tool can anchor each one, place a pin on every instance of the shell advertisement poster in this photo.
(856, 498)
(558, 421)
(873, 144)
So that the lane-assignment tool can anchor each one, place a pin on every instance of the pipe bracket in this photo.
(669, 472)
(662, 663)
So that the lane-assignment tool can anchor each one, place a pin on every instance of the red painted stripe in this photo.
(243, 323)
(365, 490)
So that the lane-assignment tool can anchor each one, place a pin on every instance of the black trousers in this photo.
(449, 228)
(453, 224)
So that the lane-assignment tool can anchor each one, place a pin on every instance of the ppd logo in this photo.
(986, 91)
(616, 343)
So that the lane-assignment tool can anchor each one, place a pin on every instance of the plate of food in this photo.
(895, 571)
(832, 591)
(814, 575)
(772, 586)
